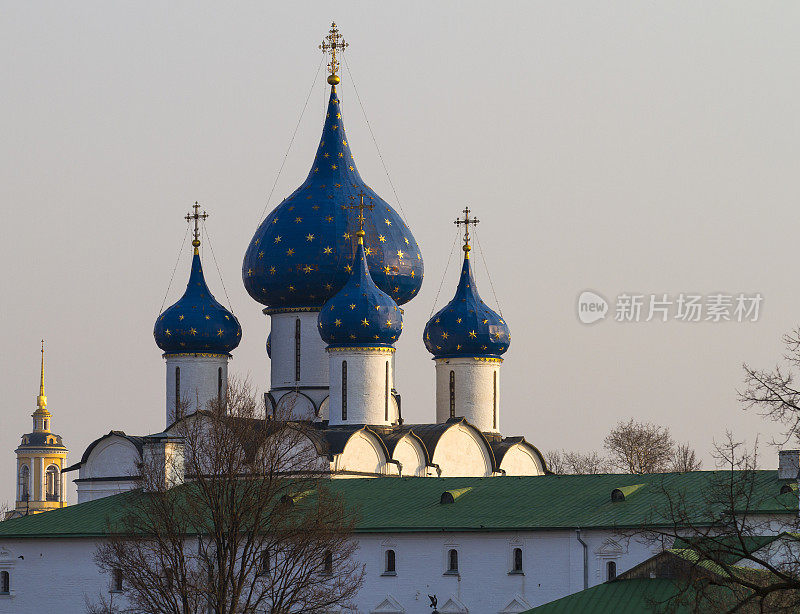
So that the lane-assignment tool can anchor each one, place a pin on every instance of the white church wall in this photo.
(109, 470)
(199, 381)
(520, 460)
(461, 452)
(366, 386)
(477, 398)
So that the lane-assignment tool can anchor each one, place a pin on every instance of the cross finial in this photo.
(332, 44)
(41, 400)
(196, 216)
(466, 222)
(360, 206)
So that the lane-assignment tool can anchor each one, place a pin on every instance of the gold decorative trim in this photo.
(195, 355)
(379, 350)
(477, 358)
(272, 310)
(487, 359)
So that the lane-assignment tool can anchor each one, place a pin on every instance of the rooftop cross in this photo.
(466, 222)
(41, 400)
(331, 44)
(360, 206)
(196, 216)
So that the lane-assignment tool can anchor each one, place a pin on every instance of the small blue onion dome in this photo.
(361, 314)
(197, 323)
(298, 256)
(466, 326)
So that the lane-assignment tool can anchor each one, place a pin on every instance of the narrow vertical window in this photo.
(177, 392)
(265, 566)
(452, 561)
(116, 581)
(297, 350)
(5, 582)
(452, 394)
(219, 384)
(517, 560)
(494, 403)
(386, 395)
(51, 479)
(390, 562)
(24, 482)
(344, 390)
(327, 564)
(611, 570)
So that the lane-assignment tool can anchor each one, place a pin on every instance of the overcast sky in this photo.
(622, 147)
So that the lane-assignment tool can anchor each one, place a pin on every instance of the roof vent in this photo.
(620, 494)
(788, 488)
(450, 496)
(617, 495)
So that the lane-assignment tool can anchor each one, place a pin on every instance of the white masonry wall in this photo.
(199, 381)
(313, 381)
(475, 395)
(366, 386)
(56, 575)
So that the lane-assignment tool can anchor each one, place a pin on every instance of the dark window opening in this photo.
(24, 481)
(297, 350)
(219, 384)
(5, 582)
(264, 566)
(117, 580)
(344, 390)
(390, 561)
(386, 395)
(52, 479)
(611, 570)
(327, 565)
(494, 401)
(452, 561)
(452, 394)
(177, 392)
(517, 559)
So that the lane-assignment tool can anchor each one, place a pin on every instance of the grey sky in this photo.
(614, 146)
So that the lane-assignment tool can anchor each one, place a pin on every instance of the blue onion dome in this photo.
(466, 326)
(300, 254)
(197, 323)
(360, 314)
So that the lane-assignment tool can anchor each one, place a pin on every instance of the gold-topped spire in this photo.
(332, 43)
(360, 206)
(466, 222)
(196, 216)
(41, 400)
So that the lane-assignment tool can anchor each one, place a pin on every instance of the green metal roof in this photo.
(483, 504)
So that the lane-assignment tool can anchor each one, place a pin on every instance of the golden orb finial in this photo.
(466, 222)
(196, 216)
(333, 43)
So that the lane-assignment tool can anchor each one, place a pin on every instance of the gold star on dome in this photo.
(377, 337)
(400, 253)
(328, 287)
(483, 347)
(227, 317)
(377, 307)
(325, 155)
(341, 155)
(397, 288)
(387, 270)
(169, 334)
(272, 270)
(315, 207)
(381, 238)
(436, 321)
(344, 143)
(458, 320)
(297, 220)
(219, 333)
(388, 223)
(327, 250)
(291, 208)
(309, 237)
(352, 306)
(368, 251)
(338, 116)
(388, 322)
(472, 334)
(208, 317)
(485, 321)
(278, 239)
(329, 218)
(346, 236)
(348, 268)
(497, 335)
(291, 288)
(352, 336)
(290, 252)
(337, 322)
(260, 254)
(412, 272)
(444, 335)
(275, 221)
(316, 170)
(180, 317)
(334, 167)
(406, 240)
(334, 127)
(458, 347)
(365, 322)
(307, 269)
(192, 331)
(351, 167)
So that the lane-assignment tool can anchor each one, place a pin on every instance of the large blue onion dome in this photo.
(300, 254)
(197, 323)
(360, 314)
(466, 326)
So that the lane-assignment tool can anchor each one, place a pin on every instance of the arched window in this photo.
(494, 403)
(452, 394)
(327, 564)
(517, 560)
(452, 561)
(297, 350)
(24, 483)
(177, 392)
(390, 562)
(51, 483)
(116, 580)
(611, 570)
(5, 582)
(344, 390)
(386, 395)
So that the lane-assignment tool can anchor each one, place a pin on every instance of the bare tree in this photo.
(253, 528)
(684, 459)
(639, 447)
(565, 462)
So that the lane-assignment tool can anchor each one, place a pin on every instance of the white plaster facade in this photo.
(367, 384)
(108, 469)
(473, 386)
(195, 379)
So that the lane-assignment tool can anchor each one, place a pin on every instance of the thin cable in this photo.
(486, 266)
(214, 258)
(286, 155)
(444, 275)
(175, 268)
(374, 140)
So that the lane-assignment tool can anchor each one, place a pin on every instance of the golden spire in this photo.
(466, 222)
(41, 400)
(196, 216)
(360, 206)
(331, 44)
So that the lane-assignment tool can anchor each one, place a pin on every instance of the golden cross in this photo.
(360, 206)
(466, 222)
(196, 216)
(331, 44)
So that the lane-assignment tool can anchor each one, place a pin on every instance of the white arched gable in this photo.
(462, 452)
(297, 406)
(297, 452)
(363, 453)
(111, 458)
(390, 605)
(409, 453)
(520, 459)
